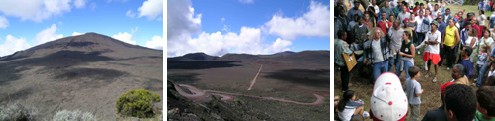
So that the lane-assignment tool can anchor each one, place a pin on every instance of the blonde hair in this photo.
(373, 33)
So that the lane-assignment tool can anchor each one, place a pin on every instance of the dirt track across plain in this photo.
(199, 95)
(254, 79)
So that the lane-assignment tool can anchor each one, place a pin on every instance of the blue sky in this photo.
(218, 27)
(39, 21)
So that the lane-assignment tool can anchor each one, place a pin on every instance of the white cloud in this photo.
(13, 44)
(76, 33)
(184, 23)
(47, 35)
(246, 1)
(313, 23)
(156, 42)
(131, 14)
(152, 9)
(79, 3)
(249, 41)
(125, 37)
(278, 46)
(36, 10)
(4, 23)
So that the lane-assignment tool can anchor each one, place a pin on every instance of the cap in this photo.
(434, 23)
(388, 101)
(444, 86)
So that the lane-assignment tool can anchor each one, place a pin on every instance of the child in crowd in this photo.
(413, 92)
(486, 100)
(349, 107)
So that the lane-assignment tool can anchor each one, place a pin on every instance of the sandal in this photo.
(435, 79)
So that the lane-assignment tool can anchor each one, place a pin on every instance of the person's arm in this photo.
(472, 42)
(418, 90)
(439, 39)
(457, 37)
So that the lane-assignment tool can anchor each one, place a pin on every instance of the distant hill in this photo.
(89, 44)
(86, 72)
(314, 56)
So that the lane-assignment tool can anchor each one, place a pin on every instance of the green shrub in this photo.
(16, 112)
(77, 115)
(137, 103)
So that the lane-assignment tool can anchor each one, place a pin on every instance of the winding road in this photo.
(199, 95)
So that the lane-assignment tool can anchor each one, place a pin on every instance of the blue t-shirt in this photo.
(412, 88)
(468, 65)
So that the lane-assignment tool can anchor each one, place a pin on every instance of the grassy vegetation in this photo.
(137, 103)
(17, 112)
(77, 115)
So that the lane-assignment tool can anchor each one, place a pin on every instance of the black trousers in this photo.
(345, 77)
(449, 55)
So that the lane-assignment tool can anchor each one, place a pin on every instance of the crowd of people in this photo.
(387, 39)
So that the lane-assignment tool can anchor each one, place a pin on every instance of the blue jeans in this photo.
(379, 68)
(391, 62)
(406, 66)
(481, 74)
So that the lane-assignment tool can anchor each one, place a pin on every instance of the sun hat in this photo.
(388, 101)
(434, 23)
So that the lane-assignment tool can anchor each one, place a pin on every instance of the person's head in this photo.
(422, 6)
(466, 52)
(360, 20)
(356, 5)
(486, 100)
(436, 7)
(406, 22)
(482, 12)
(484, 49)
(373, 2)
(391, 17)
(387, 5)
(473, 21)
(434, 26)
(486, 33)
(366, 16)
(406, 35)
(404, 9)
(470, 15)
(342, 35)
(421, 13)
(396, 25)
(348, 96)
(414, 72)
(439, 18)
(376, 34)
(384, 15)
(472, 32)
(458, 71)
(460, 103)
(467, 26)
(447, 11)
(427, 12)
(416, 4)
(451, 23)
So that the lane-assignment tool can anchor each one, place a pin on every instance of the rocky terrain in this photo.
(86, 72)
(284, 86)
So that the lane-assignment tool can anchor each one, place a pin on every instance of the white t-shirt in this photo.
(489, 41)
(377, 9)
(470, 39)
(377, 51)
(437, 36)
(419, 23)
(481, 20)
